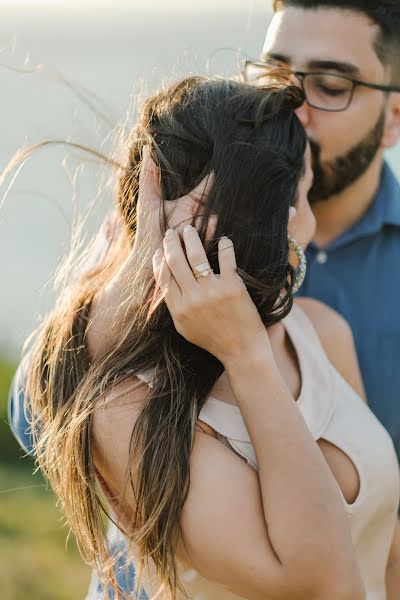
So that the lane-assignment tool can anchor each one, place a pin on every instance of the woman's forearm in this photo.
(304, 512)
(393, 581)
(110, 309)
(393, 566)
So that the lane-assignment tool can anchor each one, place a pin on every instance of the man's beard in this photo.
(332, 177)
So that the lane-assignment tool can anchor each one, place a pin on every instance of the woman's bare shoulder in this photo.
(337, 340)
(231, 546)
(116, 412)
(125, 397)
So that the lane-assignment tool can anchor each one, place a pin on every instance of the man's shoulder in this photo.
(388, 197)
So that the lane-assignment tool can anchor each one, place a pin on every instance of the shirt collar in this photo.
(384, 210)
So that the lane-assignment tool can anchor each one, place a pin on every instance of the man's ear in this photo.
(391, 133)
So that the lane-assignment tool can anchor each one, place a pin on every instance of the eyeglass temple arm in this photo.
(376, 86)
(373, 86)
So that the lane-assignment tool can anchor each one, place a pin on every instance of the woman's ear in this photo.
(391, 134)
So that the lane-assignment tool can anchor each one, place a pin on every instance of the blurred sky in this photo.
(71, 69)
(56, 58)
(133, 5)
(128, 4)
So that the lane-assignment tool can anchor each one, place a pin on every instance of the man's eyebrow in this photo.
(274, 56)
(333, 65)
(327, 65)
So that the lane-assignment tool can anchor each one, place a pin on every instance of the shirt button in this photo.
(322, 257)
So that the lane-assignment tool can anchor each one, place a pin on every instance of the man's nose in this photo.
(303, 114)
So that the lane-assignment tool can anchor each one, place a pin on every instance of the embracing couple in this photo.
(226, 427)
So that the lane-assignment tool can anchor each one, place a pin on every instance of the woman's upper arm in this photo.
(223, 531)
(393, 566)
(337, 339)
(394, 555)
(224, 534)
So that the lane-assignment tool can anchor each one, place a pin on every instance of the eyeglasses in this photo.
(323, 91)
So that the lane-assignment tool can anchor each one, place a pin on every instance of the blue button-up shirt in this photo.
(19, 409)
(358, 275)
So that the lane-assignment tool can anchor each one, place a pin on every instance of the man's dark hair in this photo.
(385, 14)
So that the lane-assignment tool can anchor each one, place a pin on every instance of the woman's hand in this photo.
(108, 310)
(179, 212)
(214, 312)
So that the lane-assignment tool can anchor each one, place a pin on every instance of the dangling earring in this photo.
(302, 267)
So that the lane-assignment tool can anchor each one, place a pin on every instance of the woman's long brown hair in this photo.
(252, 141)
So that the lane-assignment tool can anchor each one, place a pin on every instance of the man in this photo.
(351, 115)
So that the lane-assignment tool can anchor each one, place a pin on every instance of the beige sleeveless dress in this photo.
(334, 412)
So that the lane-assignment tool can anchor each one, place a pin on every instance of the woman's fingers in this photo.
(177, 261)
(195, 252)
(148, 234)
(226, 257)
(217, 315)
(179, 212)
(164, 280)
(149, 181)
(162, 274)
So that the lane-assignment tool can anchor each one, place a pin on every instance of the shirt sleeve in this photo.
(18, 409)
(19, 415)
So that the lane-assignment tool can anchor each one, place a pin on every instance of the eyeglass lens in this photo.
(322, 90)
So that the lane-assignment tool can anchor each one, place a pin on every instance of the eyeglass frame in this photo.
(303, 74)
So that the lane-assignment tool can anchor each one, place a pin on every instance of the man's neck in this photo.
(338, 213)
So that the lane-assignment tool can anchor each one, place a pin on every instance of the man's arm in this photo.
(18, 409)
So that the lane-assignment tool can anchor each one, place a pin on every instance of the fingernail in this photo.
(187, 227)
(226, 242)
(157, 252)
(169, 232)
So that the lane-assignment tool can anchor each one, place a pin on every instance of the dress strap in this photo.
(317, 400)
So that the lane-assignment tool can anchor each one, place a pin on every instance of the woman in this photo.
(234, 455)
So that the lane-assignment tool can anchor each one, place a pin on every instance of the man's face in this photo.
(340, 42)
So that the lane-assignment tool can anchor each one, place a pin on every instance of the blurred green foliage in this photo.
(35, 561)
